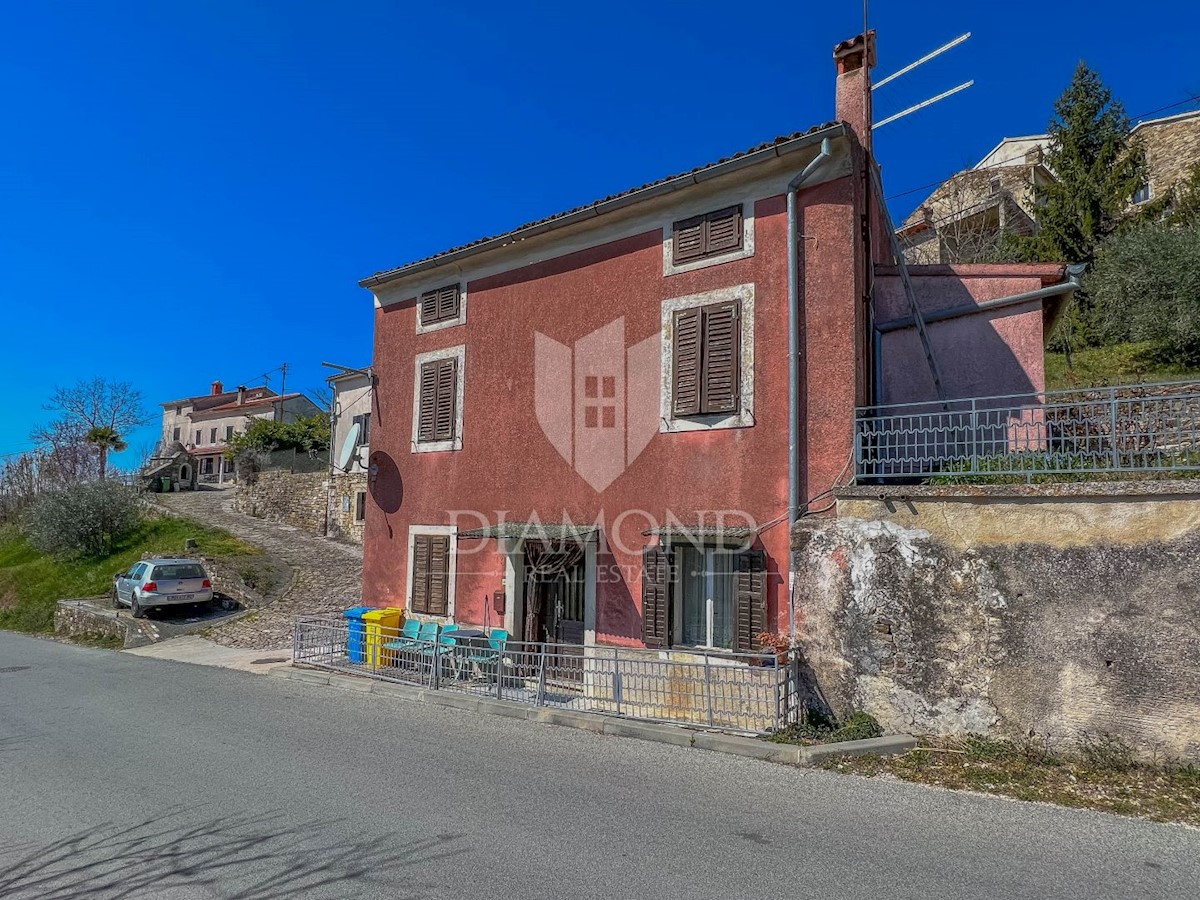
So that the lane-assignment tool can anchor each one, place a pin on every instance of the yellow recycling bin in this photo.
(383, 627)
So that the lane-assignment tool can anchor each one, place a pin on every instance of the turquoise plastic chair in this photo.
(494, 649)
(427, 636)
(409, 636)
(442, 644)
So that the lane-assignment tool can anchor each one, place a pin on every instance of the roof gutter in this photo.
(604, 207)
(1072, 284)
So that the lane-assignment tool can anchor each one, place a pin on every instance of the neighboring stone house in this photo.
(204, 424)
(966, 217)
(171, 468)
(1172, 149)
(353, 391)
(594, 428)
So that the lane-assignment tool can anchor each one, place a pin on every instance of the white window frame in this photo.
(461, 319)
(699, 208)
(744, 417)
(678, 611)
(451, 573)
(459, 353)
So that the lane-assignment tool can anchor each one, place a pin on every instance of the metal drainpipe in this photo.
(793, 189)
(1073, 283)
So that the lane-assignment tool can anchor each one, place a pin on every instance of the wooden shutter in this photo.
(656, 597)
(431, 574)
(685, 394)
(706, 235)
(437, 401)
(723, 231)
(420, 586)
(439, 574)
(751, 602)
(427, 402)
(440, 304)
(447, 396)
(447, 303)
(688, 240)
(720, 374)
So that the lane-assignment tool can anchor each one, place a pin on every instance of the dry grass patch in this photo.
(1101, 775)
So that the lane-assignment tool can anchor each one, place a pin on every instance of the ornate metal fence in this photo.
(1132, 428)
(745, 693)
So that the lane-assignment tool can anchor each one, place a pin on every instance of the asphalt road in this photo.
(123, 776)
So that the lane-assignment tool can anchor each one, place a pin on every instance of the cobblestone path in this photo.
(326, 575)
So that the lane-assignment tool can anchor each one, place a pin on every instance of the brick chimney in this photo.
(241, 394)
(855, 58)
(217, 388)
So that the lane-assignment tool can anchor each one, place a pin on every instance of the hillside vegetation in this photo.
(1125, 363)
(32, 582)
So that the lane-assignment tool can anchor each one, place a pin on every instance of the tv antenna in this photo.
(949, 45)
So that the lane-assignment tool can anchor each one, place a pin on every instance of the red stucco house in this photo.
(590, 429)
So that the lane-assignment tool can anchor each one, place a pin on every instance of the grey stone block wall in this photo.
(297, 499)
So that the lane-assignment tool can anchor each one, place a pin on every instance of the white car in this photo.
(161, 582)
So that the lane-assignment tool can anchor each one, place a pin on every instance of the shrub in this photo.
(819, 727)
(82, 519)
(1146, 286)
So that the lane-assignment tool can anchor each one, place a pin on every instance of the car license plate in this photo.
(181, 597)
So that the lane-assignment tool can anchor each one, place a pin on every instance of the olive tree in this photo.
(83, 519)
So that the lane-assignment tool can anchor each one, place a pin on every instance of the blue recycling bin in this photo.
(357, 639)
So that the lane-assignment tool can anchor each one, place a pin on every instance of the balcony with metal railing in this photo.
(1109, 433)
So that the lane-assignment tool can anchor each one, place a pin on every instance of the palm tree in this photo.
(104, 438)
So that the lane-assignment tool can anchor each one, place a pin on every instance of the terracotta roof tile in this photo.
(782, 139)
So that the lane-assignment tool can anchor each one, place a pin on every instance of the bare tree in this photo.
(63, 456)
(97, 413)
(971, 217)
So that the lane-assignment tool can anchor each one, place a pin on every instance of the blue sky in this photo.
(191, 191)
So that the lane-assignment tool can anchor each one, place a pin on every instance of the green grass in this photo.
(31, 583)
(1115, 364)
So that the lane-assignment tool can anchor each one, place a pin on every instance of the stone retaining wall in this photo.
(77, 618)
(1065, 610)
(298, 499)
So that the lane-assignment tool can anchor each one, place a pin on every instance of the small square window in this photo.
(708, 235)
(440, 305)
(1142, 194)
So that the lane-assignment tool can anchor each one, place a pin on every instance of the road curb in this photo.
(888, 745)
(597, 723)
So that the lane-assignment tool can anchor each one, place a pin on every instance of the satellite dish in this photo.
(349, 446)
